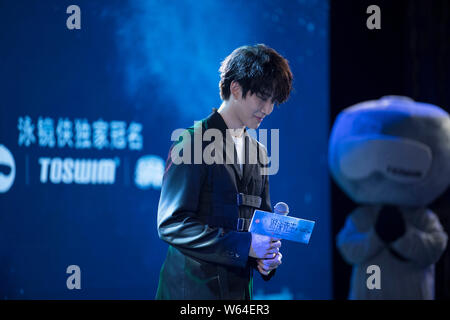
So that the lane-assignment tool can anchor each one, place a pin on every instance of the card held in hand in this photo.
(283, 227)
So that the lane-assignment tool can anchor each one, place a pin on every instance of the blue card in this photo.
(283, 227)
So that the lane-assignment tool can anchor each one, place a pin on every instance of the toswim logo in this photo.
(7, 169)
(78, 171)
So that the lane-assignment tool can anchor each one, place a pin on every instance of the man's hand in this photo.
(263, 247)
(267, 265)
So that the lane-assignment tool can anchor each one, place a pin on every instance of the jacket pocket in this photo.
(202, 280)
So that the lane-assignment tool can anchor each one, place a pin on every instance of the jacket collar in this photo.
(215, 120)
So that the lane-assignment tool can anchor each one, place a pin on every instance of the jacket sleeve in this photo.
(423, 244)
(358, 241)
(178, 222)
(266, 205)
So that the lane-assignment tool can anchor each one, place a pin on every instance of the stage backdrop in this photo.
(87, 108)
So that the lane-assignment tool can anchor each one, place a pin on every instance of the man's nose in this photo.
(268, 108)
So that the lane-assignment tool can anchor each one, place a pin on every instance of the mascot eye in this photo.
(399, 159)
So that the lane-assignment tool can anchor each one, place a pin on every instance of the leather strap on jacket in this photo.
(240, 224)
(248, 200)
(240, 199)
(243, 224)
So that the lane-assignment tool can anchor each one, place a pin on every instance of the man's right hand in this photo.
(264, 247)
(265, 266)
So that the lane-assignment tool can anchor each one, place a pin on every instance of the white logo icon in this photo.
(149, 172)
(7, 169)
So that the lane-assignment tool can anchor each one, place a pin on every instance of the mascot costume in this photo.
(391, 157)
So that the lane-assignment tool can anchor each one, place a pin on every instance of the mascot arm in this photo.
(357, 241)
(423, 244)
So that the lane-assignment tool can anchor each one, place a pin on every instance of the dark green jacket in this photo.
(198, 216)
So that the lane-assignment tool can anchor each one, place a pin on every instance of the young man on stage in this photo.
(206, 206)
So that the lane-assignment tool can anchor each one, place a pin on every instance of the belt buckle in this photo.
(240, 224)
(240, 199)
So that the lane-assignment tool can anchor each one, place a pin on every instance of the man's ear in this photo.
(236, 90)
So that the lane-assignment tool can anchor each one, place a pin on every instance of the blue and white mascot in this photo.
(392, 157)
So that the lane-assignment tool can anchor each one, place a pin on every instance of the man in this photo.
(205, 207)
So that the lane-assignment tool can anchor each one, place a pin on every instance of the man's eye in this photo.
(262, 98)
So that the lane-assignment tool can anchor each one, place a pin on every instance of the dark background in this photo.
(408, 56)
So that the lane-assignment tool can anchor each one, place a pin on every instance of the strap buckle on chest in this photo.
(243, 224)
(248, 200)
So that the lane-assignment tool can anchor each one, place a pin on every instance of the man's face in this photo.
(253, 109)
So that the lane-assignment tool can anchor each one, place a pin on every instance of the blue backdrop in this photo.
(85, 123)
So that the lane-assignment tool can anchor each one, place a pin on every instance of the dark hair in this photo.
(258, 69)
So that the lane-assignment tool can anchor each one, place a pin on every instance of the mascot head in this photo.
(391, 151)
